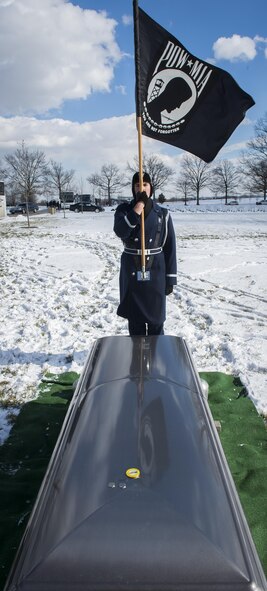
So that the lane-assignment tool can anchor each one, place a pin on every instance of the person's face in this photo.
(146, 188)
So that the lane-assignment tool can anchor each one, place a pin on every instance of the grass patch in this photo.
(244, 439)
(24, 458)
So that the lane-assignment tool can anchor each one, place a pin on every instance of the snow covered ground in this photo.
(59, 293)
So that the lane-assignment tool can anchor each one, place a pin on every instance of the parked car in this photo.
(233, 202)
(86, 207)
(262, 202)
(22, 208)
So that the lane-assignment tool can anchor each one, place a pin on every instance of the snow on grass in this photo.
(59, 293)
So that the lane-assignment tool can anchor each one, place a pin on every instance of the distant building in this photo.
(67, 198)
(2, 200)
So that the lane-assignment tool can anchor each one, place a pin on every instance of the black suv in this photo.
(22, 208)
(86, 207)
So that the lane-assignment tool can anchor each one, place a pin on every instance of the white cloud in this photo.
(247, 121)
(51, 51)
(82, 146)
(261, 41)
(211, 60)
(121, 89)
(127, 19)
(85, 147)
(231, 148)
(235, 48)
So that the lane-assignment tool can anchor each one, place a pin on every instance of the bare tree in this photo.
(2, 171)
(81, 185)
(258, 145)
(25, 171)
(253, 162)
(182, 186)
(155, 167)
(254, 171)
(225, 178)
(59, 179)
(108, 181)
(196, 172)
(3, 184)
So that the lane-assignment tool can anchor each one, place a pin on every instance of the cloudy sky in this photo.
(67, 73)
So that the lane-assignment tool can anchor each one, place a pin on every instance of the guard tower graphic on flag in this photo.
(155, 92)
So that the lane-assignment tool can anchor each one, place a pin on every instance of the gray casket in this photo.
(179, 526)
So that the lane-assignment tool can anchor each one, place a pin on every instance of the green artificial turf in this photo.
(244, 439)
(25, 455)
(24, 458)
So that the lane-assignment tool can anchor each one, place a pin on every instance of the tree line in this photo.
(27, 174)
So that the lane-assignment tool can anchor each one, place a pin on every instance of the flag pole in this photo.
(140, 157)
(144, 275)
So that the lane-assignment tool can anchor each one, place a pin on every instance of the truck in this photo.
(67, 198)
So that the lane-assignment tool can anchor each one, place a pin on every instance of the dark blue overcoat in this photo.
(145, 300)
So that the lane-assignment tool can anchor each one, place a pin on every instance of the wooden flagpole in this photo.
(143, 275)
(140, 158)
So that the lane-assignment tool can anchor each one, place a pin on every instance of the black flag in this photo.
(181, 99)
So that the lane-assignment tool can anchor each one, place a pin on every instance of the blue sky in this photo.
(197, 25)
(67, 73)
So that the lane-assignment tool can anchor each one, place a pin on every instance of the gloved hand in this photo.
(142, 197)
(168, 289)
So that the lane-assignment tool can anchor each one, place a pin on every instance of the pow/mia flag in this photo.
(181, 99)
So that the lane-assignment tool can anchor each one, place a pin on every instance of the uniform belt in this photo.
(148, 251)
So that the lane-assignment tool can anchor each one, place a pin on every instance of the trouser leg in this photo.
(137, 328)
(155, 329)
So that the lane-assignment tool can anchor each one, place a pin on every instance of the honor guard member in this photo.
(143, 303)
